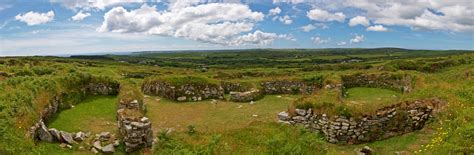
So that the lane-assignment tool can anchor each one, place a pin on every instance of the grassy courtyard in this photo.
(208, 117)
(95, 114)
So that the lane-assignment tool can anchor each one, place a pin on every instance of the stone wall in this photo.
(110, 88)
(185, 92)
(288, 87)
(53, 107)
(134, 127)
(387, 122)
(246, 96)
(397, 82)
(135, 130)
(233, 86)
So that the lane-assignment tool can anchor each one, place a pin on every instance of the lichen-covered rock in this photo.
(67, 137)
(108, 148)
(56, 134)
(80, 136)
(283, 116)
(44, 134)
(251, 95)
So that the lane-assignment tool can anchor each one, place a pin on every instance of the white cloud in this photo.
(274, 11)
(342, 43)
(289, 37)
(357, 39)
(325, 16)
(35, 18)
(318, 40)
(430, 15)
(93, 4)
(377, 28)
(289, 1)
(285, 20)
(218, 23)
(80, 16)
(310, 27)
(258, 37)
(359, 20)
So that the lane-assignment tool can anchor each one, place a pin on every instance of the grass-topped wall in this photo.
(394, 81)
(342, 127)
(306, 85)
(183, 88)
(25, 100)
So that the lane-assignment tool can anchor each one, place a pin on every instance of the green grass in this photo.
(208, 117)
(371, 95)
(95, 114)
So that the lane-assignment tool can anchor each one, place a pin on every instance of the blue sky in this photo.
(53, 27)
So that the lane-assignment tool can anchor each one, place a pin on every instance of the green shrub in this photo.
(314, 80)
(343, 110)
(191, 130)
(42, 70)
(24, 72)
(305, 105)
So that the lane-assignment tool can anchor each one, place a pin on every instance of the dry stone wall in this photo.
(135, 130)
(48, 112)
(387, 122)
(185, 92)
(134, 127)
(397, 82)
(246, 96)
(233, 86)
(288, 87)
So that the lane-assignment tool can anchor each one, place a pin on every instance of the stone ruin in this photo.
(233, 86)
(53, 107)
(288, 87)
(185, 92)
(246, 96)
(388, 122)
(398, 82)
(134, 127)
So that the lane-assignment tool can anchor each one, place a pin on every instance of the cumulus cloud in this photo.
(35, 18)
(325, 16)
(289, 37)
(357, 39)
(447, 15)
(430, 15)
(377, 28)
(274, 11)
(285, 20)
(319, 40)
(80, 16)
(310, 27)
(258, 37)
(359, 20)
(93, 4)
(218, 23)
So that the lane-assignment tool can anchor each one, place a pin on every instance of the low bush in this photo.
(42, 70)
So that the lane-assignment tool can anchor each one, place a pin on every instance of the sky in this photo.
(68, 27)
